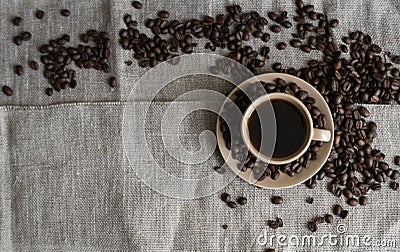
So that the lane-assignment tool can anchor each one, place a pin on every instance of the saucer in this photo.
(284, 180)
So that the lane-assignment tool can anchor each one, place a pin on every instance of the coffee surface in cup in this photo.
(291, 128)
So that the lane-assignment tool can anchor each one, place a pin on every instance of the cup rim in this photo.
(245, 132)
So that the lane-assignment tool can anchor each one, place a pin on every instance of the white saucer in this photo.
(315, 165)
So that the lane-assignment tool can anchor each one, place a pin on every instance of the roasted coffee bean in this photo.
(224, 226)
(306, 48)
(7, 90)
(39, 14)
(34, 65)
(277, 200)
(65, 13)
(19, 70)
(334, 23)
(225, 197)
(397, 160)
(275, 28)
(17, 40)
(295, 43)
(352, 202)
(17, 21)
(312, 226)
(113, 82)
(309, 200)
(328, 218)
(281, 46)
(241, 201)
(137, 5)
(163, 14)
(337, 209)
(363, 200)
(395, 175)
(273, 224)
(49, 91)
(270, 250)
(344, 214)
(26, 36)
(265, 37)
(231, 204)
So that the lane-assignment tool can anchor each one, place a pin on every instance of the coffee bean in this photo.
(337, 209)
(328, 218)
(334, 23)
(26, 36)
(397, 160)
(270, 250)
(137, 5)
(225, 197)
(344, 214)
(17, 40)
(272, 15)
(225, 226)
(19, 70)
(65, 13)
(7, 90)
(163, 14)
(273, 224)
(309, 200)
(305, 48)
(34, 65)
(281, 46)
(395, 175)
(295, 43)
(352, 202)
(312, 226)
(275, 28)
(16, 21)
(277, 200)
(39, 14)
(231, 204)
(265, 37)
(241, 201)
(363, 200)
(49, 91)
(113, 82)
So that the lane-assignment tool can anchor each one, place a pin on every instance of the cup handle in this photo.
(321, 135)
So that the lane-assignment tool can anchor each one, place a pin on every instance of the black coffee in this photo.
(291, 128)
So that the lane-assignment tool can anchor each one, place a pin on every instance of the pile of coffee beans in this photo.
(260, 169)
(57, 56)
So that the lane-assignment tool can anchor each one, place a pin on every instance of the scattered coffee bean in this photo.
(312, 226)
(137, 5)
(219, 169)
(17, 21)
(34, 65)
(363, 200)
(19, 70)
(49, 91)
(231, 204)
(295, 43)
(128, 62)
(328, 218)
(225, 197)
(26, 36)
(17, 40)
(241, 201)
(113, 82)
(352, 202)
(334, 23)
(65, 13)
(275, 28)
(223, 226)
(397, 160)
(337, 209)
(309, 200)
(39, 14)
(7, 90)
(344, 214)
(277, 200)
(281, 46)
(163, 14)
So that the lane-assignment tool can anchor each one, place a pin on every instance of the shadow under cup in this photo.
(277, 128)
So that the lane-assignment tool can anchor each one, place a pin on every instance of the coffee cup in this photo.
(277, 128)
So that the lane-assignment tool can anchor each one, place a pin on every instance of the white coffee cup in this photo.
(312, 133)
